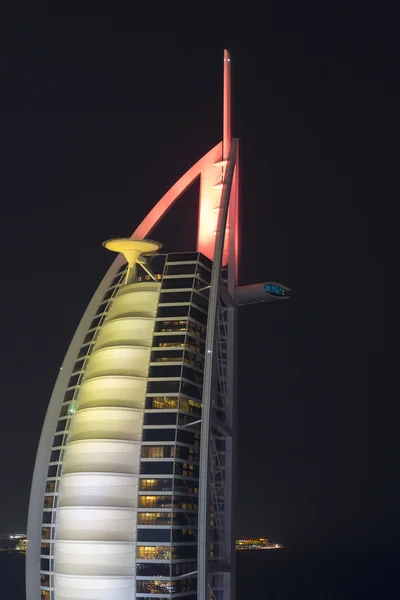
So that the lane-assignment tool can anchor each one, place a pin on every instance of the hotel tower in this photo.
(133, 487)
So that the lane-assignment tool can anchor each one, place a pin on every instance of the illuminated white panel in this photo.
(71, 587)
(136, 299)
(107, 423)
(95, 558)
(96, 524)
(129, 331)
(98, 489)
(112, 456)
(118, 360)
(113, 391)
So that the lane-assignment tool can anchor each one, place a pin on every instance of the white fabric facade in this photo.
(95, 532)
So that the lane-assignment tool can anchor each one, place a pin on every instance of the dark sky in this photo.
(100, 115)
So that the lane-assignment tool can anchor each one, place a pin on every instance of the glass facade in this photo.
(173, 400)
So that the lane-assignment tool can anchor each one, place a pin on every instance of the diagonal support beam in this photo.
(201, 168)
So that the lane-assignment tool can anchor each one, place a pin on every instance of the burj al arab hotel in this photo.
(134, 482)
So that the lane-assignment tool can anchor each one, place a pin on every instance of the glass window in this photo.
(206, 261)
(157, 502)
(48, 502)
(64, 410)
(156, 587)
(203, 273)
(165, 371)
(182, 257)
(175, 297)
(44, 564)
(200, 285)
(89, 336)
(116, 279)
(84, 351)
(158, 451)
(185, 551)
(50, 487)
(46, 531)
(194, 359)
(61, 425)
(184, 452)
(167, 552)
(173, 311)
(156, 485)
(167, 356)
(196, 329)
(44, 595)
(154, 535)
(46, 517)
(190, 406)
(58, 440)
(69, 395)
(108, 294)
(157, 262)
(183, 535)
(45, 548)
(160, 418)
(184, 269)
(220, 445)
(169, 341)
(73, 380)
(192, 375)
(188, 437)
(102, 308)
(153, 569)
(52, 471)
(158, 435)
(198, 315)
(186, 469)
(95, 323)
(154, 518)
(155, 468)
(187, 487)
(177, 283)
(191, 390)
(200, 300)
(168, 387)
(155, 552)
(78, 366)
(55, 456)
(171, 325)
(161, 402)
(179, 586)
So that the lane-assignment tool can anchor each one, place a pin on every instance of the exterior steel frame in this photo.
(209, 373)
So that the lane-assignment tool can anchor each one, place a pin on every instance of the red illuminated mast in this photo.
(226, 140)
(211, 169)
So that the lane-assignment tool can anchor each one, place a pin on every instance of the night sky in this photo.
(100, 115)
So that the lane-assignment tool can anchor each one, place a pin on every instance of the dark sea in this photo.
(279, 575)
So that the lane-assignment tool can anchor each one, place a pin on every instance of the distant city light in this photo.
(258, 544)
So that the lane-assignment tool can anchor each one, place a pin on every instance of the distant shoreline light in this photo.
(256, 544)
